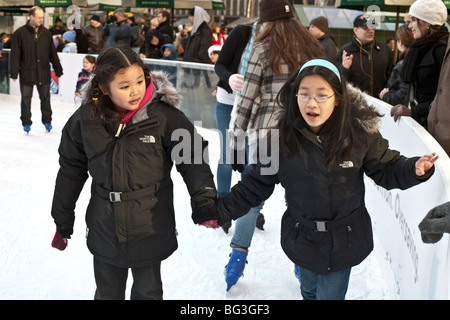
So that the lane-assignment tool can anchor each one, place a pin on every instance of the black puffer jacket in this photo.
(198, 44)
(371, 67)
(332, 195)
(140, 230)
(30, 55)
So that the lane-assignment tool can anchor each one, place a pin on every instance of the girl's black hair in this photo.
(342, 136)
(108, 63)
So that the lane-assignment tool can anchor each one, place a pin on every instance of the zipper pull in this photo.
(119, 130)
(349, 236)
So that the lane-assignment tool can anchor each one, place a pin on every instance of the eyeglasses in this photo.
(320, 98)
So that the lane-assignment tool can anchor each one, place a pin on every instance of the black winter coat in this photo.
(426, 81)
(231, 55)
(30, 56)
(333, 196)
(135, 167)
(198, 44)
(398, 89)
(377, 64)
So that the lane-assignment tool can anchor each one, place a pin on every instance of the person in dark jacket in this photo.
(94, 34)
(85, 74)
(365, 62)
(422, 65)
(31, 50)
(328, 140)
(123, 34)
(396, 91)
(198, 42)
(127, 135)
(135, 39)
(164, 26)
(58, 28)
(319, 29)
(200, 38)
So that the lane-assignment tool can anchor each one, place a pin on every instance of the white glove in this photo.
(236, 82)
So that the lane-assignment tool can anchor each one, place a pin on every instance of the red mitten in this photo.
(58, 242)
(210, 224)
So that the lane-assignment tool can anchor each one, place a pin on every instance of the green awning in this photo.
(339, 18)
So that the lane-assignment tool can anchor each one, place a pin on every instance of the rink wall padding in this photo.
(422, 271)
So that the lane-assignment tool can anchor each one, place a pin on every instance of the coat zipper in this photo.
(349, 236)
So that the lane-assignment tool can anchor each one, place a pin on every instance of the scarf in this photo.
(417, 51)
(130, 114)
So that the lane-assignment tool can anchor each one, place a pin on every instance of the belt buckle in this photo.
(115, 196)
(321, 226)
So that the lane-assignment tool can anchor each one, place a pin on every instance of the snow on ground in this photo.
(30, 269)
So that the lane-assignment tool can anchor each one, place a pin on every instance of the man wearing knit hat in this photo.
(365, 62)
(94, 34)
(319, 29)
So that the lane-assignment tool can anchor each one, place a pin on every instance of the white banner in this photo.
(422, 270)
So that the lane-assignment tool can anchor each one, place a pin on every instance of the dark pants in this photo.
(112, 281)
(25, 104)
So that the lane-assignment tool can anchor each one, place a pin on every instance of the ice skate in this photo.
(235, 267)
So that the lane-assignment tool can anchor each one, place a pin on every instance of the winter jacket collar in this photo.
(33, 29)
(163, 90)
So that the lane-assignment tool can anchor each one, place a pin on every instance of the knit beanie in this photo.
(432, 11)
(321, 23)
(270, 10)
(69, 36)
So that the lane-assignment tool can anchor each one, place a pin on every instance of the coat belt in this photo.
(121, 196)
(327, 225)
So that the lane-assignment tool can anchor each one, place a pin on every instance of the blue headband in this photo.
(321, 63)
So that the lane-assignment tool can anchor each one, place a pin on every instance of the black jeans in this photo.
(25, 103)
(111, 282)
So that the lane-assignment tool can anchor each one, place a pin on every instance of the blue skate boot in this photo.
(48, 126)
(27, 128)
(297, 272)
(235, 267)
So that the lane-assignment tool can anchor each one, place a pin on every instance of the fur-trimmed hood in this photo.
(165, 89)
(367, 121)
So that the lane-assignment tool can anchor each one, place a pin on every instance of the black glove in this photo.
(206, 212)
(435, 223)
(238, 162)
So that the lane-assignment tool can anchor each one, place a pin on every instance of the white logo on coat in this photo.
(346, 164)
(148, 139)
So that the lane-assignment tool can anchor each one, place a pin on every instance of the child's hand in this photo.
(59, 242)
(210, 224)
(425, 163)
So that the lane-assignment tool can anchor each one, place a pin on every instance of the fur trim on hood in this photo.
(165, 89)
(366, 116)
